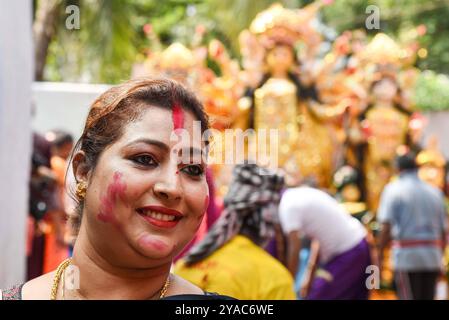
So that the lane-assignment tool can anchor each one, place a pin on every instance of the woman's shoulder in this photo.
(38, 288)
(185, 290)
(182, 286)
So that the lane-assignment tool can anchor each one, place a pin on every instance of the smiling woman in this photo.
(138, 205)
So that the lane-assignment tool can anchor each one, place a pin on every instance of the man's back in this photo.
(318, 216)
(416, 213)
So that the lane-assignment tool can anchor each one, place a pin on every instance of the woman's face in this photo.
(141, 203)
(280, 59)
(385, 90)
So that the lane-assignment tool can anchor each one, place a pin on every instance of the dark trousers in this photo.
(416, 285)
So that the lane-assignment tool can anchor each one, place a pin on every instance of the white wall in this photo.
(15, 136)
(439, 125)
(63, 105)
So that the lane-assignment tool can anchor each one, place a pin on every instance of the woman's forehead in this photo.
(165, 125)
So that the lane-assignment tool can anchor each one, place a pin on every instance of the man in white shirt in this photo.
(339, 244)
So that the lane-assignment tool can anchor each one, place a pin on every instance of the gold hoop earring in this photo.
(81, 190)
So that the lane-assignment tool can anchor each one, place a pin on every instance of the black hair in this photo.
(61, 137)
(406, 161)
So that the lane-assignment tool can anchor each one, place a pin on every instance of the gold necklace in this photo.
(57, 278)
(60, 272)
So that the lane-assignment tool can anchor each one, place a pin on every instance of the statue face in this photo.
(178, 74)
(386, 89)
(280, 59)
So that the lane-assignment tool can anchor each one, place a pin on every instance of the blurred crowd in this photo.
(299, 242)
(48, 236)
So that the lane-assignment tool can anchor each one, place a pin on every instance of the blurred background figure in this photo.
(339, 253)
(347, 181)
(49, 203)
(432, 165)
(231, 259)
(58, 238)
(42, 199)
(412, 213)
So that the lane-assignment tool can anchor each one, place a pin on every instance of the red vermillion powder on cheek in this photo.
(115, 190)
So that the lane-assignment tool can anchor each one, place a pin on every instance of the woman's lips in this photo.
(160, 216)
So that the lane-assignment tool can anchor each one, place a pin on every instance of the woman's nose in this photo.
(169, 187)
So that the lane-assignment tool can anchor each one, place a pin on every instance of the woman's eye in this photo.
(193, 170)
(145, 160)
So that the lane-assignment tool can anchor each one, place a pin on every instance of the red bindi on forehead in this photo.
(178, 117)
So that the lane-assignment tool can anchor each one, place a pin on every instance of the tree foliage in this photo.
(111, 37)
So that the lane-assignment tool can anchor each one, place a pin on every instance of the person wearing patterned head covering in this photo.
(231, 260)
